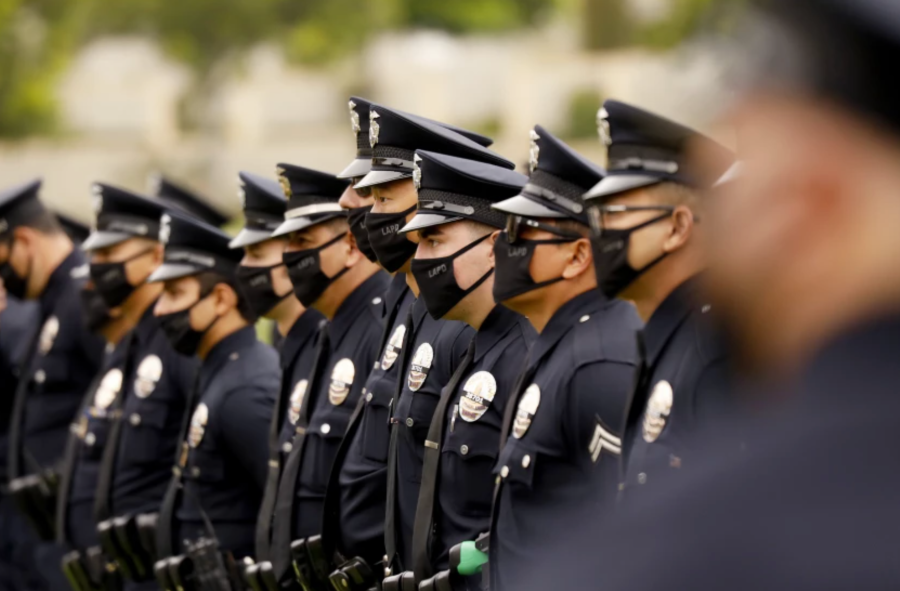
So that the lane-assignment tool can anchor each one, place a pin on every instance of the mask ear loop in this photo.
(484, 277)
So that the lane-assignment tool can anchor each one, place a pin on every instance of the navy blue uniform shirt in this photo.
(362, 477)
(564, 441)
(472, 428)
(684, 382)
(228, 441)
(68, 357)
(437, 347)
(353, 334)
(17, 323)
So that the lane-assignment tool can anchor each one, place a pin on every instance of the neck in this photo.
(411, 282)
(330, 301)
(115, 330)
(652, 289)
(221, 328)
(140, 300)
(286, 314)
(478, 305)
(54, 248)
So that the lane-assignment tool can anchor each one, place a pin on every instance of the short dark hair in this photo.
(209, 279)
(44, 222)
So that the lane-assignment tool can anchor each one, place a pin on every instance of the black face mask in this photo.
(15, 286)
(437, 282)
(94, 311)
(111, 280)
(513, 262)
(305, 270)
(390, 246)
(610, 248)
(177, 328)
(256, 285)
(357, 219)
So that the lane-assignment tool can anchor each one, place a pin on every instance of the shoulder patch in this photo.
(341, 380)
(419, 367)
(478, 393)
(149, 373)
(526, 410)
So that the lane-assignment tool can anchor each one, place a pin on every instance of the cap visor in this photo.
(357, 168)
(427, 220)
(168, 271)
(100, 239)
(614, 184)
(246, 237)
(522, 205)
(301, 223)
(380, 177)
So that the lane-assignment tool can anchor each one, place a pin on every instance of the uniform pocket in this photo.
(145, 437)
(516, 464)
(468, 457)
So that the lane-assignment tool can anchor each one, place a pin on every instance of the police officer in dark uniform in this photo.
(454, 271)
(263, 279)
(60, 360)
(118, 462)
(432, 349)
(562, 427)
(332, 276)
(646, 250)
(213, 497)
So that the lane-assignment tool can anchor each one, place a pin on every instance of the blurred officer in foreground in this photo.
(562, 428)
(432, 349)
(118, 459)
(264, 281)
(332, 276)
(211, 504)
(36, 262)
(454, 269)
(645, 215)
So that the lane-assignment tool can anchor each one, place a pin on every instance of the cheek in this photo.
(281, 282)
(332, 260)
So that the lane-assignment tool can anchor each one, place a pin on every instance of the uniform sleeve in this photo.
(596, 390)
(244, 422)
(712, 399)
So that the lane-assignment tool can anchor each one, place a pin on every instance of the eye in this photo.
(433, 243)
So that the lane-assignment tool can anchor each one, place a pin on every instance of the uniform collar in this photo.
(303, 330)
(226, 349)
(419, 311)
(58, 280)
(396, 291)
(350, 310)
(497, 324)
(668, 317)
(564, 320)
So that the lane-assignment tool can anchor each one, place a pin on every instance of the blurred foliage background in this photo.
(38, 37)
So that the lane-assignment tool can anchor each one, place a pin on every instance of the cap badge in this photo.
(526, 410)
(97, 198)
(478, 393)
(374, 128)
(418, 369)
(354, 117)
(658, 408)
(242, 193)
(165, 228)
(148, 374)
(534, 151)
(341, 379)
(297, 401)
(603, 126)
(284, 182)
(417, 172)
(393, 348)
(198, 425)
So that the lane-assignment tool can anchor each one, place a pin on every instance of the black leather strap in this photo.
(17, 420)
(424, 523)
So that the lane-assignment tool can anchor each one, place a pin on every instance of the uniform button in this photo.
(369, 397)
(621, 486)
(90, 439)
(109, 348)
(464, 449)
(135, 419)
(39, 376)
(326, 428)
(376, 301)
(706, 308)
(504, 471)
(642, 478)
(526, 461)
(195, 471)
(409, 422)
(584, 319)
(234, 356)
(287, 447)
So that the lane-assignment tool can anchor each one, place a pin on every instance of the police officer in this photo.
(220, 470)
(646, 249)
(332, 276)
(262, 277)
(60, 360)
(562, 427)
(433, 349)
(453, 268)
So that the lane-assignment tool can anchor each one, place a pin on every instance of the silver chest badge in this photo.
(478, 393)
(108, 389)
(49, 332)
(534, 151)
(603, 127)
(373, 127)
(341, 379)
(198, 425)
(658, 408)
(354, 117)
(297, 401)
(149, 373)
(418, 369)
(526, 410)
(393, 348)
(417, 172)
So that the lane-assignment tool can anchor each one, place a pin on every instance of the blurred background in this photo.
(115, 90)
